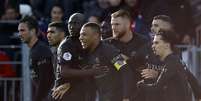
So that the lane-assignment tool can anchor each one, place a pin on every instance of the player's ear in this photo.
(32, 31)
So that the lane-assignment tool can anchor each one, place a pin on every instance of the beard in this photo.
(119, 35)
(24, 41)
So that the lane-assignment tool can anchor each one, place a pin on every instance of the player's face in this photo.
(54, 36)
(160, 24)
(74, 25)
(24, 33)
(159, 46)
(56, 14)
(119, 26)
(87, 38)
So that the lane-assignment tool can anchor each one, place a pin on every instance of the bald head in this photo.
(77, 16)
(75, 23)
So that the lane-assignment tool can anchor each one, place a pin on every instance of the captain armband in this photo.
(119, 61)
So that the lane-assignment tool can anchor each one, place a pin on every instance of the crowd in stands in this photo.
(45, 11)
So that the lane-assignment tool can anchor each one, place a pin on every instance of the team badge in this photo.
(67, 56)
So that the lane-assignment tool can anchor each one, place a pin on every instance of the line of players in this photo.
(125, 67)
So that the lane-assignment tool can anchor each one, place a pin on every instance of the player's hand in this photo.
(59, 91)
(149, 73)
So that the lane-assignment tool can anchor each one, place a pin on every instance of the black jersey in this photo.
(109, 85)
(54, 52)
(69, 53)
(136, 51)
(172, 84)
(42, 72)
(172, 80)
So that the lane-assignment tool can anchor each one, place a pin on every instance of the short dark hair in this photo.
(94, 26)
(60, 26)
(121, 13)
(164, 18)
(31, 22)
(169, 37)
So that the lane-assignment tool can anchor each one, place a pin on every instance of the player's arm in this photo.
(68, 71)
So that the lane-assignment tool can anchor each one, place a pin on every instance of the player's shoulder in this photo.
(41, 49)
(141, 37)
(109, 40)
(108, 50)
(66, 43)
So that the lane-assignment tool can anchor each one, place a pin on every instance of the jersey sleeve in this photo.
(66, 54)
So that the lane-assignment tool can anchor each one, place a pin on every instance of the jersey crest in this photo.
(67, 56)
